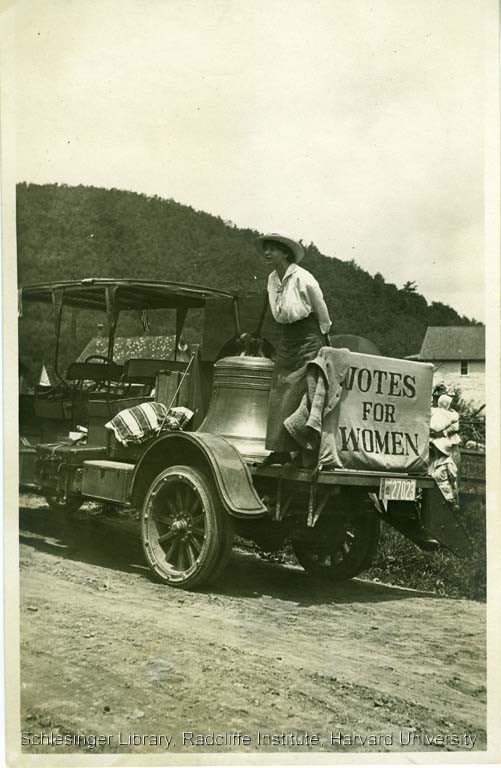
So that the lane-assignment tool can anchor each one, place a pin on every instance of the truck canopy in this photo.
(100, 293)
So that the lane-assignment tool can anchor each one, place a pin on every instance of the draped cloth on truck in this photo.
(299, 343)
(375, 412)
(324, 377)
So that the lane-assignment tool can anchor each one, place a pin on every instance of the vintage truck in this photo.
(193, 490)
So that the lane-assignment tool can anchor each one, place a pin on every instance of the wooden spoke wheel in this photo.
(186, 533)
(340, 547)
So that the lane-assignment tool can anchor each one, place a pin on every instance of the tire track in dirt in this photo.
(106, 650)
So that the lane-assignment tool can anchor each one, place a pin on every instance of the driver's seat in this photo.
(98, 372)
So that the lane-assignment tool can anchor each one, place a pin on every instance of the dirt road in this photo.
(267, 653)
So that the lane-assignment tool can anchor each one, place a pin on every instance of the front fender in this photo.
(210, 452)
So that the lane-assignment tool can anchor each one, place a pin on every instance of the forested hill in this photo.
(75, 232)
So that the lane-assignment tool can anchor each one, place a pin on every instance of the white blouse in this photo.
(297, 296)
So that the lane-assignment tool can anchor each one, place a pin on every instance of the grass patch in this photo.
(400, 562)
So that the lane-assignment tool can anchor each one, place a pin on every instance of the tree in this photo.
(78, 232)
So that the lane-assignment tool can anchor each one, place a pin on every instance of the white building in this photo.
(458, 356)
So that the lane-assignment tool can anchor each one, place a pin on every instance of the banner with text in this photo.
(382, 421)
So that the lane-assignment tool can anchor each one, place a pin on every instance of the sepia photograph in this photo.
(251, 380)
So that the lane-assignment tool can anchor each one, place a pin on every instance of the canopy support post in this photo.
(57, 304)
(112, 317)
(180, 319)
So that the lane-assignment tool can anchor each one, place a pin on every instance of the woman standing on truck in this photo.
(298, 305)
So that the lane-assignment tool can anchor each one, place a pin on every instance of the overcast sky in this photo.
(352, 124)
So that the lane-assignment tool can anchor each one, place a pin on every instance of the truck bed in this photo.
(336, 476)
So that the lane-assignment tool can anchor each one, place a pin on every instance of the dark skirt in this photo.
(299, 343)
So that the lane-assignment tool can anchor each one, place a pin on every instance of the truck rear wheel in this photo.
(68, 506)
(340, 547)
(186, 533)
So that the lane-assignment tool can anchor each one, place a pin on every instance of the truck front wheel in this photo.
(340, 546)
(186, 533)
(68, 506)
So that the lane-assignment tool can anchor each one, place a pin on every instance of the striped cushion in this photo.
(142, 422)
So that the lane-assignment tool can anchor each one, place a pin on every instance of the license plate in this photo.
(397, 489)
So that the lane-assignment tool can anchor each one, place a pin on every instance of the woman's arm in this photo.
(318, 305)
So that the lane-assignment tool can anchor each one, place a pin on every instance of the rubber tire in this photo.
(357, 561)
(218, 526)
(226, 549)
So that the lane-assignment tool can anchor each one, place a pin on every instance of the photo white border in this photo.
(9, 70)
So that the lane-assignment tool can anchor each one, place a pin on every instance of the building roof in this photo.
(134, 347)
(465, 342)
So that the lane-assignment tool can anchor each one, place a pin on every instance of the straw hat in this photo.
(296, 248)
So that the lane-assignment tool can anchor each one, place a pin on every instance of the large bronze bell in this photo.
(238, 408)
